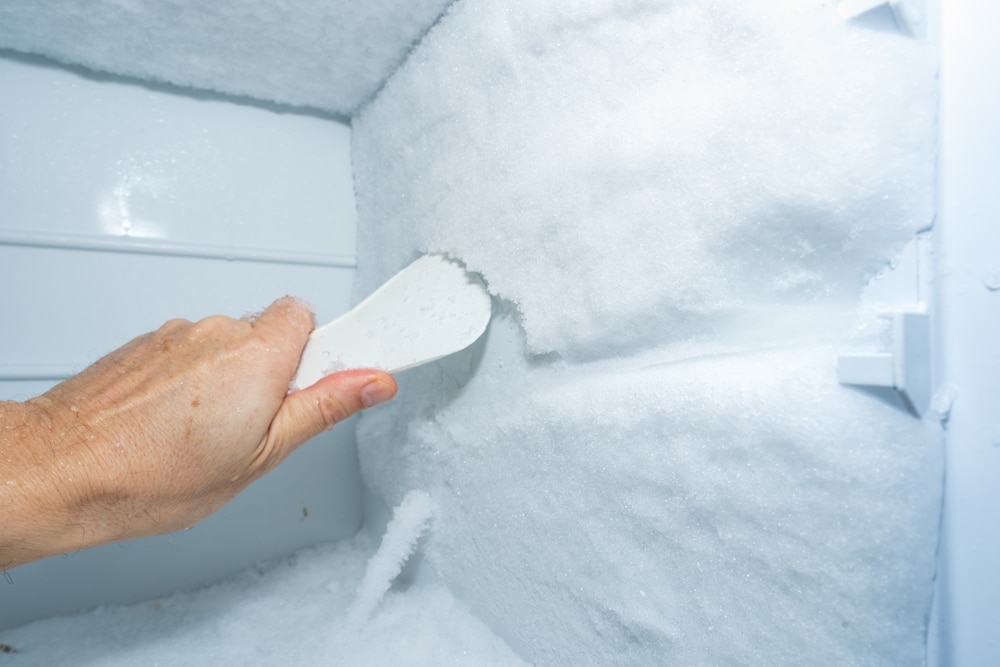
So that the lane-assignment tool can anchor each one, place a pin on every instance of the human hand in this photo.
(165, 430)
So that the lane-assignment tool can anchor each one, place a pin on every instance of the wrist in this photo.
(43, 485)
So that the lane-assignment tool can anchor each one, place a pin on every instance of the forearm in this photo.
(42, 473)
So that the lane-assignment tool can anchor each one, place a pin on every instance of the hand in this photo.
(162, 432)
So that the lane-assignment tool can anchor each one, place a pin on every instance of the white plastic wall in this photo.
(967, 251)
(124, 205)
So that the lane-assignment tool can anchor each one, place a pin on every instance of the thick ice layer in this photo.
(289, 613)
(331, 55)
(639, 172)
(722, 510)
(670, 196)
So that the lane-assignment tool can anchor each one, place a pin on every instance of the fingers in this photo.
(285, 309)
(284, 327)
(287, 320)
(310, 411)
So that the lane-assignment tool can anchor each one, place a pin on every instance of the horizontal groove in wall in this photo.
(151, 246)
(38, 373)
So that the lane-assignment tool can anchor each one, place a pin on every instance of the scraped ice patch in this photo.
(634, 173)
(410, 520)
(330, 55)
(281, 614)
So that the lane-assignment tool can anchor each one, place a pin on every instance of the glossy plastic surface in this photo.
(122, 206)
(967, 246)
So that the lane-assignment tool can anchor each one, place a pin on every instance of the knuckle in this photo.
(295, 312)
(301, 311)
(176, 324)
(215, 323)
(214, 330)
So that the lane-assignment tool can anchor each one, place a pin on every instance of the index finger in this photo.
(285, 325)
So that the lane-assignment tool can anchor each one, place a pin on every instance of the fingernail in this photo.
(375, 392)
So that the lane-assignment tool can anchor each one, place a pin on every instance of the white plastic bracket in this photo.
(905, 368)
(907, 15)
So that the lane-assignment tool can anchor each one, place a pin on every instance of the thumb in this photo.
(307, 412)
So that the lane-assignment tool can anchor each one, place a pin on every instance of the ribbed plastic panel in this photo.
(122, 206)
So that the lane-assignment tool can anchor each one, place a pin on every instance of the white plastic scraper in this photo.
(428, 310)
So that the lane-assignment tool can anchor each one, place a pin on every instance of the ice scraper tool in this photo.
(428, 310)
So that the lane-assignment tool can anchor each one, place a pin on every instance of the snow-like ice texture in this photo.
(679, 204)
(327, 54)
(286, 613)
(409, 522)
(738, 509)
(639, 171)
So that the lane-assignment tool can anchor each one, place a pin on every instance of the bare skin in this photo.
(164, 431)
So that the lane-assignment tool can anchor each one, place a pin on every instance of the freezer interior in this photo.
(734, 405)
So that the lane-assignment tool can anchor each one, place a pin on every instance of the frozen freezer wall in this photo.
(327, 54)
(728, 510)
(678, 206)
(741, 157)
